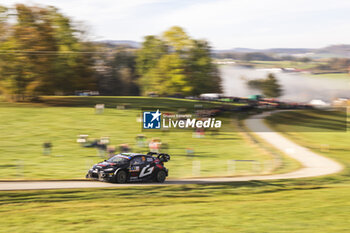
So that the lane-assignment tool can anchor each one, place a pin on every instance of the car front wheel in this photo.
(120, 177)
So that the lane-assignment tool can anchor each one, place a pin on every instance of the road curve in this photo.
(312, 165)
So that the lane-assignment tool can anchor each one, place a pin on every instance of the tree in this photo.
(43, 54)
(169, 76)
(74, 64)
(177, 39)
(118, 77)
(152, 49)
(3, 24)
(22, 67)
(204, 75)
(176, 64)
(269, 86)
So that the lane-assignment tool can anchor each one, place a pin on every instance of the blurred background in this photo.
(133, 48)
(75, 77)
(73, 83)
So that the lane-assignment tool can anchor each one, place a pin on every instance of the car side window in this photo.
(136, 161)
(149, 159)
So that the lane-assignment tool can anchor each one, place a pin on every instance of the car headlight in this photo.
(109, 169)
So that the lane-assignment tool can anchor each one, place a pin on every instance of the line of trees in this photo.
(333, 65)
(42, 52)
(116, 73)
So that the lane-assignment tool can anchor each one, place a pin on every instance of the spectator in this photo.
(154, 145)
(124, 148)
(47, 148)
(111, 151)
(141, 141)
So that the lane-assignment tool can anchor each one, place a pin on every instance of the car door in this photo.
(147, 168)
(135, 167)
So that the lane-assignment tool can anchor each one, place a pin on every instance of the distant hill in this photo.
(289, 50)
(244, 50)
(272, 50)
(342, 50)
(126, 43)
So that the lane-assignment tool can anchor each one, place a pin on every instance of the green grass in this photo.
(24, 128)
(129, 101)
(284, 64)
(338, 76)
(319, 204)
(310, 66)
(240, 207)
(321, 131)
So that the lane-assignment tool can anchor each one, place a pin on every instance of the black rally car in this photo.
(126, 167)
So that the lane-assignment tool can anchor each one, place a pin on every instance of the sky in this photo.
(225, 24)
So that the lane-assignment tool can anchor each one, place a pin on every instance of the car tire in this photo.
(160, 177)
(120, 177)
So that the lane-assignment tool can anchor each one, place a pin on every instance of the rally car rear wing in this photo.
(161, 156)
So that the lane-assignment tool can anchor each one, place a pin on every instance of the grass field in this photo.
(338, 76)
(23, 130)
(319, 204)
(299, 65)
(284, 64)
(129, 101)
(240, 207)
(320, 131)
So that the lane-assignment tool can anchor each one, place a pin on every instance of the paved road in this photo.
(312, 165)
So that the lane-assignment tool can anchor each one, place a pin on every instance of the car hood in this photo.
(104, 165)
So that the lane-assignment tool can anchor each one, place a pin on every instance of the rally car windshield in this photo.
(118, 159)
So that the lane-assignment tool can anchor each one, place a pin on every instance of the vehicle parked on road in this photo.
(130, 167)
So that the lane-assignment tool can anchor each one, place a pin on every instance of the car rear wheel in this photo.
(161, 175)
(120, 177)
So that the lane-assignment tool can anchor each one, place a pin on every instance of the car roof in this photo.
(132, 155)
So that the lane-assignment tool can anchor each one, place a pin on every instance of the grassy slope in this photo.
(242, 207)
(298, 65)
(284, 64)
(302, 205)
(131, 101)
(24, 128)
(339, 76)
(321, 131)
